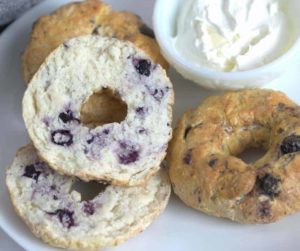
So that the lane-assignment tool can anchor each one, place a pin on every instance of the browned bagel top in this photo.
(207, 175)
(84, 18)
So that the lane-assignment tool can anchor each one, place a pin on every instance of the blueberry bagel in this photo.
(207, 174)
(85, 18)
(61, 216)
(126, 152)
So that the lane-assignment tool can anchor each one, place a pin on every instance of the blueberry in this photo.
(88, 208)
(212, 162)
(187, 159)
(106, 131)
(143, 66)
(290, 144)
(128, 153)
(141, 130)
(65, 217)
(31, 172)
(129, 157)
(269, 185)
(62, 137)
(67, 117)
(157, 93)
(90, 140)
(85, 150)
(140, 110)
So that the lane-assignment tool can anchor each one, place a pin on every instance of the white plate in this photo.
(179, 228)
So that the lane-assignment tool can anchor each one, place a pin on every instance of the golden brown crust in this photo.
(77, 19)
(207, 176)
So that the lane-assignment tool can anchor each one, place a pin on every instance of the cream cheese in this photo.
(232, 35)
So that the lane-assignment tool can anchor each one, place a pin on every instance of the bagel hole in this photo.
(251, 155)
(88, 190)
(103, 107)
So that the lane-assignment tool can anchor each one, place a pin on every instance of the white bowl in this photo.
(165, 23)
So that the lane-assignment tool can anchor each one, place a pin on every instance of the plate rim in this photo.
(6, 227)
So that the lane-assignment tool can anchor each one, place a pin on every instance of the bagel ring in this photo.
(126, 152)
(206, 172)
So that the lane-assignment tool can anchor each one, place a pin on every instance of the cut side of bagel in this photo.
(60, 216)
(126, 152)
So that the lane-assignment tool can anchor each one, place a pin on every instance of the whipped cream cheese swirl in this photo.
(233, 35)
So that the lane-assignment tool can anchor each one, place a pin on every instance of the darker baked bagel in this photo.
(207, 175)
(85, 18)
